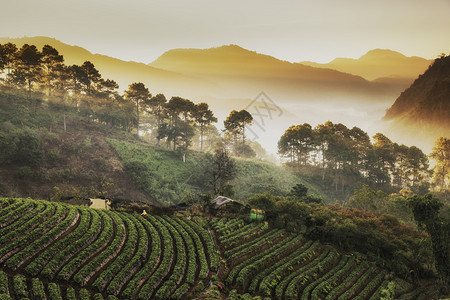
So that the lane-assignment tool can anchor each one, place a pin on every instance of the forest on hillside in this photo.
(343, 157)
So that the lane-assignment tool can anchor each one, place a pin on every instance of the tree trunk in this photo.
(157, 133)
(64, 118)
(201, 138)
(137, 117)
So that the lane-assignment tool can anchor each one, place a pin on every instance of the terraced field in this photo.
(273, 263)
(56, 251)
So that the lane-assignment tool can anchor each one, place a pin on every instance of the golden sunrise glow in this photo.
(317, 31)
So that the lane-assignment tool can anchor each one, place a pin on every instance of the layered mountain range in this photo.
(234, 72)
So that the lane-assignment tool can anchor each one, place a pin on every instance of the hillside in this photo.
(379, 63)
(40, 159)
(57, 251)
(424, 107)
(123, 72)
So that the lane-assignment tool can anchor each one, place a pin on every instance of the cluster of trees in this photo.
(80, 87)
(45, 70)
(173, 120)
(347, 156)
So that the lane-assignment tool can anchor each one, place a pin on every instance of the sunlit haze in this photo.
(290, 30)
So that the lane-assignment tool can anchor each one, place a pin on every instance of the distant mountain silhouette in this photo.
(379, 63)
(241, 69)
(423, 109)
(123, 72)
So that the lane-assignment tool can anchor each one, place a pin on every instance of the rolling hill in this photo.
(379, 64)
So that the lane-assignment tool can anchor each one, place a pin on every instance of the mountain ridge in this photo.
(238, 68)
(422, 111)
(208, 73)
(378, 63)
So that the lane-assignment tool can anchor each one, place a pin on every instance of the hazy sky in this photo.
(296, 30)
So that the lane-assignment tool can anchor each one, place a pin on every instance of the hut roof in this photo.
(220, 200)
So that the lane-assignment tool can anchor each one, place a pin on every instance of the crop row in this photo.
(281, 287)
(68, 257)
(149, 263)
(240, 236)
(310, 274)
(307, 291)
(130, 266)
(109, 252)
(211, 252)
(348, 281)
(36, 289)
(103, 239)
(230, 227)
(116, 254)
(13, 212)
(37, 208)
(236, 269)
(46, 239)
(325, 287)
(45, 256)
(371, 286)
(20, 235)
(250, 246)
(202, 221)
(269, 271)
(165, 264)
(198, 246)
(265, 261)
(191, 262)
(180, 265)
(273, 275)
(24, 237)
(237, 234)
(217, 223)
(350, 293)
(8, 205)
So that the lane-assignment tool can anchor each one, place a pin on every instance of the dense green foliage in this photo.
(164, 176)
(426, 213)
